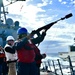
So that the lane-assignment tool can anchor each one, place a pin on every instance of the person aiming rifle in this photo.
(26, 52)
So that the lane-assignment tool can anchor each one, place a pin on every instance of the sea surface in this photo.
(57, 65)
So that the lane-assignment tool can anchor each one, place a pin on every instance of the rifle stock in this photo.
(46, 27)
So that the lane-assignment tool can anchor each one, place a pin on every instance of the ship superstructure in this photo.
(70, 53)
(7, 26)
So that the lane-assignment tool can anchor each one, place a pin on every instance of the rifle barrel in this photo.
(46, 27)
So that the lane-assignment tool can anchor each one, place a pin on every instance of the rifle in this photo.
(46, 27)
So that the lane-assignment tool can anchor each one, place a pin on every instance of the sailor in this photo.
(26, 54)
(3, 64)
(11, 55)
(2, 58)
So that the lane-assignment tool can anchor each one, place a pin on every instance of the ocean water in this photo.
(51, 56)
(55, 64)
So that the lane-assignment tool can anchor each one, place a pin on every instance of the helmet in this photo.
(10, 38)
(22, 31)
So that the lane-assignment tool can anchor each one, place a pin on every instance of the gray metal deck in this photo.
(47, 73)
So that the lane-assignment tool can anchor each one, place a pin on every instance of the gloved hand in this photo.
(33, 32)
(44, 55)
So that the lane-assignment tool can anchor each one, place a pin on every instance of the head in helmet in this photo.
(10, 40)
(22, 32)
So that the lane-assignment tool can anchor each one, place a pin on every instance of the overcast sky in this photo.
(33, 14)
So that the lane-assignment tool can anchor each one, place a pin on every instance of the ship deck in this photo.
(47, 73)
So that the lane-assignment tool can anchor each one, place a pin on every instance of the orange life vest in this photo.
(26, 56)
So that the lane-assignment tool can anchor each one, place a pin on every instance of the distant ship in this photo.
(71, 53)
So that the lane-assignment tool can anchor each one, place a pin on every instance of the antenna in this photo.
(2, 11)
(12, 1)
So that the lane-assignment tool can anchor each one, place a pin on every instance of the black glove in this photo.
(43, 55)
(33, 32)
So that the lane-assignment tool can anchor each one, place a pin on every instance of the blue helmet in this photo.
(22, 31)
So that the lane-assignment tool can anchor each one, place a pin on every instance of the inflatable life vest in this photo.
(10, 56)
(26, 56)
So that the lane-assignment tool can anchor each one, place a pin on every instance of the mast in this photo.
(2, 12)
